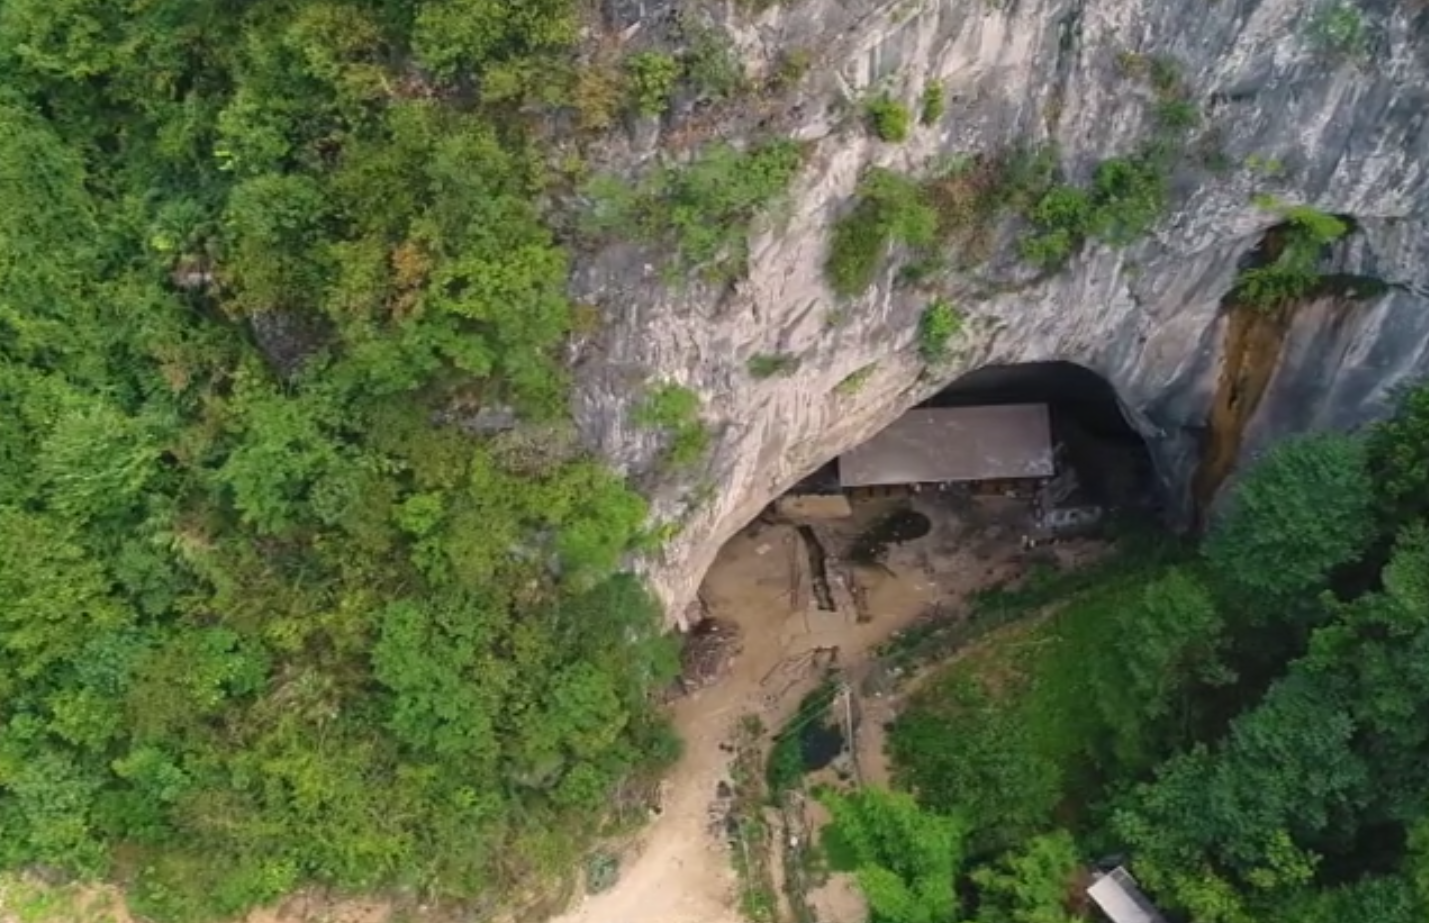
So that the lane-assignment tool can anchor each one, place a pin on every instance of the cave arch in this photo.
(954, 505)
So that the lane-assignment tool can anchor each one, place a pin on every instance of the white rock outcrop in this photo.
(1345, 134)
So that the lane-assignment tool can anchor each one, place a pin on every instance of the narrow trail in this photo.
(681, 872)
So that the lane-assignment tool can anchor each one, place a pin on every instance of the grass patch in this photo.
(793, 65)
(27, 900)
(889, 119)
(769, 365)
(853, 382)
(711, 65)
(1177, 114)
(675, 409)
(936, 327)
(933, 104)
(703, 209)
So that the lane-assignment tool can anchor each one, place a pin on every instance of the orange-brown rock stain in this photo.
(1252, 345)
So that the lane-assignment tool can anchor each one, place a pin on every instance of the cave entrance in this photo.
(1096, 447)
(1053, 431)
(1008, 468)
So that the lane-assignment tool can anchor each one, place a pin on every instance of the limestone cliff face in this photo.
(1345, 135)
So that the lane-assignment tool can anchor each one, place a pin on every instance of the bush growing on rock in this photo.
(889, 119)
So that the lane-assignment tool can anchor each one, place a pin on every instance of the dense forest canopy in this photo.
(1246, 723)
(271, 612)
(277, 606)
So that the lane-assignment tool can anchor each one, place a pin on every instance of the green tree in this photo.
(1302, 510)
(1398, 451)
(903, 856)
(1031, 885)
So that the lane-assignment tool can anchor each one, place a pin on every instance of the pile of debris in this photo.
(709, 649)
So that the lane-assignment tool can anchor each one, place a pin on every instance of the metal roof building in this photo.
(1121, 900)
(935, 444)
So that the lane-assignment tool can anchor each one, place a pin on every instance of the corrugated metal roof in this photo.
(954, 444)
(1121, 900)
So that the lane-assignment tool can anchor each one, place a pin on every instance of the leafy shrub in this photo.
(1031, 884)
(703, 208)
(1024, 174)
(889, 119)
(964, 751)
(1293, 273)
(1062, 219)
(1127, 196)
(597, 94)
(650, 80)
(890, 209)
(1337, 29)
(932, 105)
(904, 857)
(676, 410)
(939, 322)
(602, 871)
(711, 64)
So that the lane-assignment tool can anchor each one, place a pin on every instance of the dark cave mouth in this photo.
(1089, 432)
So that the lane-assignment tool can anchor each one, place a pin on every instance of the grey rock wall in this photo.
(1349, 137)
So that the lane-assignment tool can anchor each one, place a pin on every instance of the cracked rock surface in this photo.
(1342, 133)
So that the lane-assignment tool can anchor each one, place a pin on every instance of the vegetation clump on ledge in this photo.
(1292, 272)
(938, 324)
(889, 119)
(890, 210)
(675, 410)
(703, 208)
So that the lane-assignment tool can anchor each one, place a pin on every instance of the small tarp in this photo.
(1121, 900)
(938, 444)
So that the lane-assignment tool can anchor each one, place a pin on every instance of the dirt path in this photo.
(682, 872)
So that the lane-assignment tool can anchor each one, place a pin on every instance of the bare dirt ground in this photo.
(682, 871)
